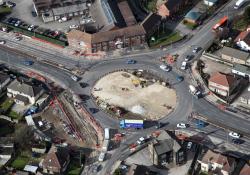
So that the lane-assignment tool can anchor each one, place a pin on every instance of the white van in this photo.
(239, 3)
(102, 157)
(75, 78)
(184, 65)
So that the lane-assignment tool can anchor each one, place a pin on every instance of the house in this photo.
(4, 81)
(6, 149)
(210, 3)
(217, 163)
(193, 17)
(31, 169)
(164, 150)
(170, 8)
(138, 170)
(232, 55)
(245, 170)
(222, 84)
(243, 40)
(24, 93)
(241, 70)
(56, 161)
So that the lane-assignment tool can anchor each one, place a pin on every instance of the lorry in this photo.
(105, 145)
(239, 3)
(194, 91)
(128, 123)
(106, 134)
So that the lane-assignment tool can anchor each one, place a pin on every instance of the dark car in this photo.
(28, 62)
(131, 61)
(83, 85)
(33, 13)
(237, 141)
(179, 78)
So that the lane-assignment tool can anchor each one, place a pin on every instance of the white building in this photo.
(210, 3)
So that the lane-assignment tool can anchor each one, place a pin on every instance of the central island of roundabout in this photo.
(134, 94)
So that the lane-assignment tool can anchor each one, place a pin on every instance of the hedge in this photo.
(37, 35)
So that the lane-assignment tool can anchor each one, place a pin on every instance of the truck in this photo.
(105, 146)
(239, 3)
(194, 91)
(220, 23)
(106, 134)
(128, 123)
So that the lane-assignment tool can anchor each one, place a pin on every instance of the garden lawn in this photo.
(168, 39)
(4, 10)
(74, 168)
(7, 104)
(20, 162)
(14, 115)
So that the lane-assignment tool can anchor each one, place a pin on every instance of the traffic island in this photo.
(134, 94)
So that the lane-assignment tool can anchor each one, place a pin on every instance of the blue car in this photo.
(131, 61)
(179, 78)
(28, 63)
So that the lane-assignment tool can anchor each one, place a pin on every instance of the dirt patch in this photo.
(123, 89)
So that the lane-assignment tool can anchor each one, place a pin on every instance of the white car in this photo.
(189, 145)
(75, 78)
(195, 50)
(2, 42)
(31, 27)
(184, 65)
(165, 67)
(73, 26)
(181, 125)
(141, 140)
(234, 135)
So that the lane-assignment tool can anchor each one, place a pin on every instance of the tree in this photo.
(117, 172)
(246, 14)
(23, 134)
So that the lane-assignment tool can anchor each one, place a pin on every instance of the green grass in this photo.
(4, 10)
(151, 5)
(190, 25)
(7, 104)
(74, 168)
(240, 24)
(166, 40)
(14, 115)
(20, 162)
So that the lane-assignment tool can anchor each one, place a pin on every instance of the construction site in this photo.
(134, 94)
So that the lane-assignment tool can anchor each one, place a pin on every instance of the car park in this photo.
(184, 65)
(234, 135)
(165, 67)
(2, 42)
(130, 61)
(189, 145)
(181, 125)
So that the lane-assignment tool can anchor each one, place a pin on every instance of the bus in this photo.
(220, 23)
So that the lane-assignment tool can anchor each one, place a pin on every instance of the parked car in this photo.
(130, 61)
(141, 140)
(188, 58)
(184, 65)
(2, 42)
(179, 78)
(237, 141)
(10, 4)
(73, 26)
(18, 38)
(73, 77)
(28, 62)
(181, 125)
(33, 13)
(165, 67)
(196, 50)
(31, 27)
(234, 135)
(18, 23)
(189, 145)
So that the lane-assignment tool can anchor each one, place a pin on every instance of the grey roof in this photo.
(25, 88)
(235, 53)
(69, 9)
(3, 77)
(22, 98)
(213, 1)
(242, 68)
(245, 94)
(193, 15)
(164, 146)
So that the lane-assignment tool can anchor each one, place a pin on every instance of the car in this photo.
(2, 42)
(141, 140)
(131, 61)
(188, 58)
(73, 26)
(10, 4)
(96, 168)
(158, 125)
(18, 23)
(179, 78)
(181, 125)
(189, 145)
(184, 65)
(73, 77)
(33, 13)
(165, 67)
(234, 135)
(28, 62)
(237, 141)
(18, 38)
(31, 27)
(196, 50)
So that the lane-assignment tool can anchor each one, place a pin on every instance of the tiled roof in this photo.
(245, 170)
(222, 79)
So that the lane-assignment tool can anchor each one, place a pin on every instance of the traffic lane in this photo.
(210, 111)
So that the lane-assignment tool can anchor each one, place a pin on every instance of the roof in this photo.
(245, 170)
(193, 15)
(22, 98)
(3, 77)
(213, 157)
(164, 146)
(170, 4)
(235, 53)
(25, 88)
(69, 9)
(138, 170)
(212, 1)
(222, 79)
(6, 150)
(241, 68)
(150, 21)
(244, 36)
(30, 168)
(56, 157)
(126, 12)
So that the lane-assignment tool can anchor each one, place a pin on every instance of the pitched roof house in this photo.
(56, 161)
(243, 40)
(235, 56)
(222, 84)
(24, 93)
(245, 170)
(217, 163)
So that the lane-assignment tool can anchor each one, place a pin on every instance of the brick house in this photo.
(56, 161)
(217, 163)
(222, 84)
(168, 8)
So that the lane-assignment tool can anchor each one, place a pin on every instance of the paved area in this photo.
(123, 89)
(212, 66)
